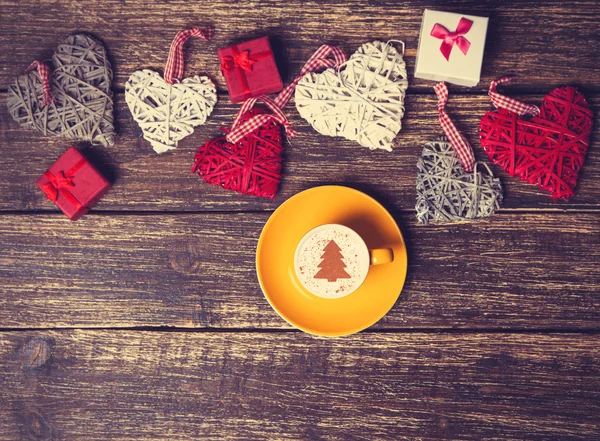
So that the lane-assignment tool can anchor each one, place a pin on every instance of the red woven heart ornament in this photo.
(547, 150)
(248, 159)
(250, 166)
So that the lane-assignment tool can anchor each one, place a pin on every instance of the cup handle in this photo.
(380, 256)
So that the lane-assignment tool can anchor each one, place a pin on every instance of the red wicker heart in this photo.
(548, 150)
(250, 166)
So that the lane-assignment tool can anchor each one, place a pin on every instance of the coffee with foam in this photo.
(331, 261)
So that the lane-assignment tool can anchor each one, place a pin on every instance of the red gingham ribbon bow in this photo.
(44, 71)
(57, 182)
(319, 60)
(255, 122)
(463, 149)
(175, 63)
(453, 38)
(503, 102)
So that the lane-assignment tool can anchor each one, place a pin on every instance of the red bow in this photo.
(55, 183)
(241, 60)
(452, 38)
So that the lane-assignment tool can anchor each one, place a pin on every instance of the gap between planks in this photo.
(175, 329)
(502, 211)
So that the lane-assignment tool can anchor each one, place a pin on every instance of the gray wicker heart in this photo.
(363, 103)
(167, 113)
(83, 106)
(445, 193)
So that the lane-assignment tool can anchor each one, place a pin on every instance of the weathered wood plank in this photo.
(146, 181)
(515, 271)
(544, 43)
(142, 385)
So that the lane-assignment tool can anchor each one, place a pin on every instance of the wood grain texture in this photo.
(189, 386)
(145, 181)
(544, 43)
(197, 270)
(468, 351)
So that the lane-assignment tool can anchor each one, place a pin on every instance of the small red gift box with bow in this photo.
(249, 69)
(73, 184)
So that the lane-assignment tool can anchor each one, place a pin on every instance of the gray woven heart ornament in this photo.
(364, 102)
(167, 110)
(449, 186)
(74, 100)
(446, 193)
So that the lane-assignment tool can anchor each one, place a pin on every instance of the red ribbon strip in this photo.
(319, 60)
(503, 102)
(453, 38)
(44, 72)
(175, 62)
(463, 149)
(61, 182)
(242, 62)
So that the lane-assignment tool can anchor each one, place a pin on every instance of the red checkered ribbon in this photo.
(319, 60)
(255, 122)
(511, 104)
(463, 149)
(175, 63)
(44, 72)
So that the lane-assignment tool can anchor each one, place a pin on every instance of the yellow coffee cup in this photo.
(332, 260)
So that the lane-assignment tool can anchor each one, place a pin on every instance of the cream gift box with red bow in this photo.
(451, 47)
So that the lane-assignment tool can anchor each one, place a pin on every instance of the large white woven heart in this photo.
(363, 103)
(168, 113)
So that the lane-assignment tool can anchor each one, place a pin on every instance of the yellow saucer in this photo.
(275, 261)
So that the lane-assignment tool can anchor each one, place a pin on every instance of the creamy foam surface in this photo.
(331, 261)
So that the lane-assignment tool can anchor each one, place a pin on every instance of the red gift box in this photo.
(249, 69)
(73, 184)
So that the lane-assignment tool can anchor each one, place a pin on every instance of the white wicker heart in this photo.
(364, 102)
(168, 113)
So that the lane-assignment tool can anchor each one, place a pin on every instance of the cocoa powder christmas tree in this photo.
(332, 266)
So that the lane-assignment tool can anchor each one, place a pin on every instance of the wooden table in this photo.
(145, 320)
